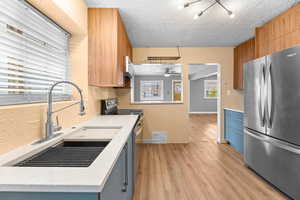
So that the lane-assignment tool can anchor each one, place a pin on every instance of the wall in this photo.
(167, 85)
(22, 124)
(197, 101)
(174, 118)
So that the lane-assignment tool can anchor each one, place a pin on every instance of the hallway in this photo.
(199, 170)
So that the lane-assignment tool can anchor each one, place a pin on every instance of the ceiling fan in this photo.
(169, 72)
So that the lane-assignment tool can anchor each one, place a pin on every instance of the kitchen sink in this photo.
(66, 154)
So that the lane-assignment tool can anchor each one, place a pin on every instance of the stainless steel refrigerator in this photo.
(272, 119)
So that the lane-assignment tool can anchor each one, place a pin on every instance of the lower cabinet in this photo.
(233, 128)
(119, 185)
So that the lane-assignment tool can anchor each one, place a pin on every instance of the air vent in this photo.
(159, 137)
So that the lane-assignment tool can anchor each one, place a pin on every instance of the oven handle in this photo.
(138, 131)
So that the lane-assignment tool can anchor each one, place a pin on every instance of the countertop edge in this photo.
(90, 185)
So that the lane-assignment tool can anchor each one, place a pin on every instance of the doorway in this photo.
(204, 94)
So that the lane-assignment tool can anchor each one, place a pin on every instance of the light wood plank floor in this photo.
(199, 170)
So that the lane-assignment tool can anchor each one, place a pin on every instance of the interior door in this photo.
(284, 95)
(254, 83)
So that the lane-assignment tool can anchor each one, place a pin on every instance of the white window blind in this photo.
(34, 54)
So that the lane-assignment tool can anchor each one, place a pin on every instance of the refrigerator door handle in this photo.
(275, 142)
(261, 100)
(269, 99)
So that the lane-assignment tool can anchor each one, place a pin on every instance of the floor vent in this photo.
(158, 137)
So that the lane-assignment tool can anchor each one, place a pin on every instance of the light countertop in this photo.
(67, 179)
(235, 110)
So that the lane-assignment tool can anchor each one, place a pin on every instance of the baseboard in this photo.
(153, 141)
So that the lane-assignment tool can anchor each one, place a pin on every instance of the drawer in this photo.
(277, 163)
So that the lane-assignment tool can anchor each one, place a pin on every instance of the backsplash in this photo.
(23, 124)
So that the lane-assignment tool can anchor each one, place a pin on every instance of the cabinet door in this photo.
(122, 49)
(102, 46)
(242, 54)
(130, 167)
(113, 189)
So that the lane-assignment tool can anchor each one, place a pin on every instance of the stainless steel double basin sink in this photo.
(78, 149)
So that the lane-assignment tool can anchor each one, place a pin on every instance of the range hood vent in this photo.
(129, 69)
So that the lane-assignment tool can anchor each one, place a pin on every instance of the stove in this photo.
(110, 107)
(130, 112)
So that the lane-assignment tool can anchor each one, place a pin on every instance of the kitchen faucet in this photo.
(50, 127)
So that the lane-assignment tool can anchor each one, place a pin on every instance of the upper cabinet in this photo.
(242, 54)
(280, 33)
(108, 47)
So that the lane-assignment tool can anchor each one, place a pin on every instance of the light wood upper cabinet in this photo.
(243, 53)
(280, 33)
(108, 47)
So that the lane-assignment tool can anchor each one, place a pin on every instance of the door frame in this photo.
(220, 137)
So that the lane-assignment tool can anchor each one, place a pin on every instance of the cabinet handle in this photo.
(124, 188)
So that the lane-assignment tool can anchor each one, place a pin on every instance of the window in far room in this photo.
(152, 90)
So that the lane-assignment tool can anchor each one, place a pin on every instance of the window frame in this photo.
(206, 82)
(152, 99)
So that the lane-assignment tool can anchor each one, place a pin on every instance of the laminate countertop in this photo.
(67, 179)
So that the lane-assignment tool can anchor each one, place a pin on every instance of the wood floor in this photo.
(199, 170)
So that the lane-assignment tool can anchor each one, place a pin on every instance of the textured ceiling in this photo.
(159, 23)
(201, 71)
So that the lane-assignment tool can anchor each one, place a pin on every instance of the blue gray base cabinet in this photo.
(119, 185)
(233, 128)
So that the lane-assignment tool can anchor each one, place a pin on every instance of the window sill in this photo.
(36, 104)
(156, 102)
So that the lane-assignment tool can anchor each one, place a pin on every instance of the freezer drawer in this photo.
(276, 161)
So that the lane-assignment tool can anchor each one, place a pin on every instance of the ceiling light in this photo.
(167, 75)
(180, 7)
(198, 15)
(231, 14)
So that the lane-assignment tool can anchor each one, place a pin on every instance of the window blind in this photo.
(34, 54)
